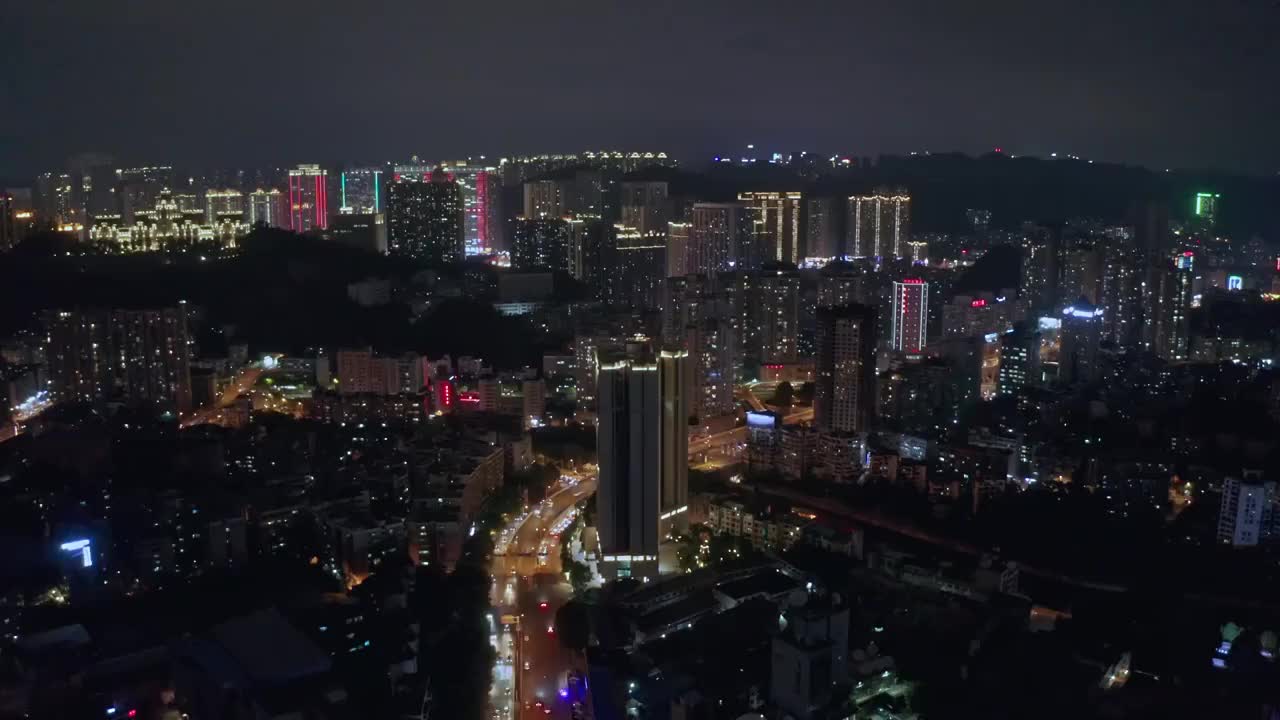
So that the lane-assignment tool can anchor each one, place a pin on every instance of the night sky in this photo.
(231, 83)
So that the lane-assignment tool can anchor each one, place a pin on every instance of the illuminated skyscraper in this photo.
(481, 192)
(265, 207)
(1168, 307)
(879, 225)
(674, 370)
(844, 389)
(776, 216)
(910, 315)
(629, 436)
(361, 192)
(1019, 360)
(1249, 514)
(308, 199)
(224, 205)
(1205, 209)
(425, 219)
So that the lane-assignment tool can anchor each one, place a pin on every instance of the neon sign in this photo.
(81, 546)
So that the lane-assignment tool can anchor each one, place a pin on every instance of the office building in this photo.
(1081, 335)
(543, 243)
(264, 208)
(879, 225)
(910, 315)
(776, 220)
(425, 219)
(645, 207)
(1249, 513)
(776, 309)
(629, 438)
(360, 192)
(844, 392)
(1037, 284)
(366, 232)
(721, 239)
(823, 227)
(308, 198)
(138, 356)
(586, 237)
(545, 199)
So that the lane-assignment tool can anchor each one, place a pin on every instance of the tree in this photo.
(784, 396)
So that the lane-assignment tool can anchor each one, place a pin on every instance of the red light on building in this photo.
(468, 396)
(1188, 253)
(979, 303)
(913, 281)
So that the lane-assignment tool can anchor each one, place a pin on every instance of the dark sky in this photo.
(229, 83)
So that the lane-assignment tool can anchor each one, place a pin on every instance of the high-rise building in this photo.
(678, 248)
(1120, 292)
(810, 656)
(308, 198)
(844, 397)
(360, 192)
(225, 205)
(823, 227)
(721, 239)
(645, 206)
(141, 356)
(1167, 307)
(366, 232)
(635, 265)
(544, 199)
(776, 220)
(1019, 360)
(673, 447)
(56, 199)
(425, 219)
(481, 198)
(710, 342)
(1205, 210)
(138, 189)
(1037, 284)
(629, 437)
(977, 315)
(265, 208)
(843, 283)
(776, 300)
(1081, 273)
(910, 315)
(544, 243)
(879, 225)
(1081, 335)
(1250, 511)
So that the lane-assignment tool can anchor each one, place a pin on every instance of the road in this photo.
(241, 384)
(722, 448)
(529, 587)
